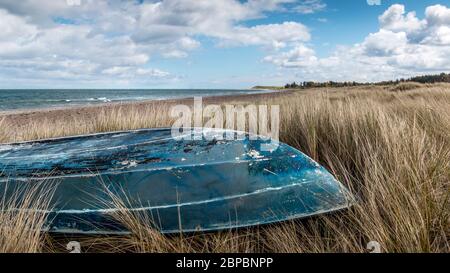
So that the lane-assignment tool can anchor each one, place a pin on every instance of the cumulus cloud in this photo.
(102, 38)
(108, 40)
(130, 72)
(272, 35)
(73, 50)
(438, 15)
(404, 46)
(385, 43)
(395, 19)
(310, 6)
(405, 41)
(177, 19)
(299, 56)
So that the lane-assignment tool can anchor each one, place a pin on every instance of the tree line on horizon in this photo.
(443, 77)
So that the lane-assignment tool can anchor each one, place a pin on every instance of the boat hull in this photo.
(179, 185)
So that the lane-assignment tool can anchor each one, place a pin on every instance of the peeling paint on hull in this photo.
(198, 185)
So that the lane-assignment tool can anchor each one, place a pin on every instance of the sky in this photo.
(218, 43)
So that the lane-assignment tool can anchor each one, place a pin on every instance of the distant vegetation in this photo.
(443, 77)
(262, 87)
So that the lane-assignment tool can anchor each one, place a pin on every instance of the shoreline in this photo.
(9, 112)
(24, 116)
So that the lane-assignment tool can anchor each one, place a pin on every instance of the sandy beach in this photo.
(23, 117)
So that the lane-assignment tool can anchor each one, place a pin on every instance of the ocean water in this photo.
(47, 98)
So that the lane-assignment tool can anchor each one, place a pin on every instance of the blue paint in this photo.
(208, 184)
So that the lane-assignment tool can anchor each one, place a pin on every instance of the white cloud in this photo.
(300, 56)
(272, 35)
(55, 53)
(438, 15)
(385, 43)
(408, 42)
(177, 19)
(310, 6)
(395, 19)
(130, 72)
(439, 36)
(102, 38)
(107, 40)
(404, 46)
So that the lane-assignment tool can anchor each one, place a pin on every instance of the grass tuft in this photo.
(22, 219)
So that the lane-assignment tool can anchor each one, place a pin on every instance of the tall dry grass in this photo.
(391, 147)
(21, 218)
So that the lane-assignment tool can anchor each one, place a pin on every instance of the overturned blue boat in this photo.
(181, 184)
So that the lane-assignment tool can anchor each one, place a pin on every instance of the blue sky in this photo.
(218, 44)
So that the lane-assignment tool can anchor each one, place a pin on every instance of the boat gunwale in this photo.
(133, 131)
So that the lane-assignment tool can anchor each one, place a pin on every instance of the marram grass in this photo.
(389, 146)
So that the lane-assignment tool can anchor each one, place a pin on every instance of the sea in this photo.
(15, 99)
